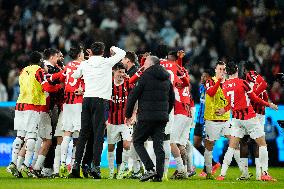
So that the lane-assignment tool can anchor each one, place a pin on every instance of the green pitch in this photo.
(7, 182)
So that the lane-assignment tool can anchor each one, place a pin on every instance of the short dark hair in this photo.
(173, 53)
(210, 72)
(162, 51)
(219, 62)
(98, 48)
(75, 50)
(118, 66)
(131, 56)
(35, 57)
(249, 66)
(231, 68)
(47, 53)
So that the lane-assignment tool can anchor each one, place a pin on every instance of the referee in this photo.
(97, 75)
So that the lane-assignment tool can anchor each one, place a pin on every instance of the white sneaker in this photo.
(47, 172)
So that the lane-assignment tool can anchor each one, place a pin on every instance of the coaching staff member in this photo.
(155, 96)
(97, 75)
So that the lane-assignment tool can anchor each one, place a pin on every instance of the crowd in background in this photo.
(207, 30)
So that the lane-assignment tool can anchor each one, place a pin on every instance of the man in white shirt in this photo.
(97, 75)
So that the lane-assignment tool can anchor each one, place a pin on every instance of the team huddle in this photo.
(50, 113)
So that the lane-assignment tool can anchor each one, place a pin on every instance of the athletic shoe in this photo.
(174, 174)
(203, 174)
(120, 175)
(157, 179)
(209, 176)
(148, 175)
(181, 175)
(63, 172)
(37, 174)
(137, 175)
(12, 168)
(215, 168)
(47, 172)
(55, 176)
(191, 174)
(267, 177)
(96, 173)
(27, 170)
(243, 178)
(19, 175)
(220, 177)
(111, 175)
(75, 173)
(85, 171)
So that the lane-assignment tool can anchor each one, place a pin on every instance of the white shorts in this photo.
(180, 129)
(71, 117)
(27, 120)
(168, 127)
(251, 127)
(45, 129)
(261, 119)
(115, 132)
(58, 131)
(214, 130)
(21, 133)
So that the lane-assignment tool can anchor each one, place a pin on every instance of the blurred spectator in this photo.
(3, 92)
(239, 30)
(276, 94)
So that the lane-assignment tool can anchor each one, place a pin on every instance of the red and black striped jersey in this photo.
(258, 84)
(117, 104)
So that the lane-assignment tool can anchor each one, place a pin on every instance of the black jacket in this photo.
(155, 95)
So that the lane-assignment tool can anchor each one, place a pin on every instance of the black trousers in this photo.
(92, 119)
(155, 130)
(88, 156)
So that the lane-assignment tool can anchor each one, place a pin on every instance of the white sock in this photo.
(39, 162)
(238, 159)
(208, 161)
(136, 161)
(125, 157)
(257, 168)
(151, 152)
(73, 155)
(179, 163)
(20, 162)
(110, 158)
(263, 159)
(227, 161)
(167, 149)
(56, 164)
(244, 162)
(37, 147)
(30, 147)
(64, 148)
(17, 144)
(189, 151)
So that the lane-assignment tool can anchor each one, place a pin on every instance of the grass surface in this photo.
(7, 181)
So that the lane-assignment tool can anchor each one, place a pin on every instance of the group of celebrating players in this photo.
(49, 106)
